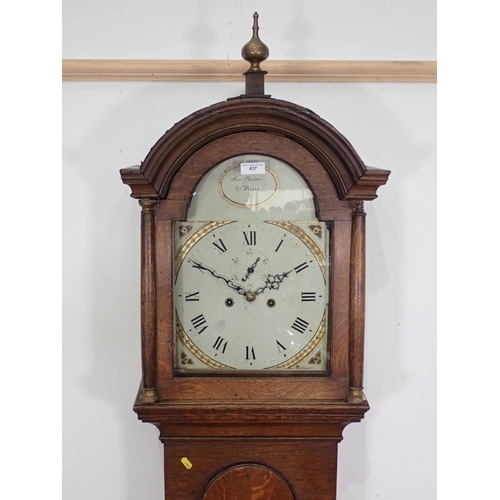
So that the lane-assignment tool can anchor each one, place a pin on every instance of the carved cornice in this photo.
(267, 115)
(352, 179)
(140, 186)
(366, 186)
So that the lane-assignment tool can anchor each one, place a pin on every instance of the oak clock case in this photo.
(251, 282)
(252, 298)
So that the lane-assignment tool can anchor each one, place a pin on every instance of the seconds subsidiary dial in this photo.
(251, 296)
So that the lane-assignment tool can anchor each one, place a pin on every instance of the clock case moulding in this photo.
(309, 411)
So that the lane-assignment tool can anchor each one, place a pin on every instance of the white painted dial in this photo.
(250, 295)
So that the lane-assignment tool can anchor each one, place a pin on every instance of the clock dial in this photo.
(251, 296)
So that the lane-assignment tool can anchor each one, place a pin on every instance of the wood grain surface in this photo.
(231, 71)
(258, 435)
(248, 482)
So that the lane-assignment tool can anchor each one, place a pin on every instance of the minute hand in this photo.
(229, 283)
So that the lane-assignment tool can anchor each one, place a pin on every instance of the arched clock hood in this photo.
(241, 122)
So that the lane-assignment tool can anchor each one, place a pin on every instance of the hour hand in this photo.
(273, 281)
(229, 283)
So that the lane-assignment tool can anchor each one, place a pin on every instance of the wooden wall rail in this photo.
(231, 71)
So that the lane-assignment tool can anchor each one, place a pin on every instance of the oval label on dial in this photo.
(248, 190)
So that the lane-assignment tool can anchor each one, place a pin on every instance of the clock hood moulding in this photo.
(237, 116)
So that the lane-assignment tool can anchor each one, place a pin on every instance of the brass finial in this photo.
(255, 51)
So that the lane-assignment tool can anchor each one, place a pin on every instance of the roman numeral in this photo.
(199, 322)
(301, 267)
(219, 244)
(192, 297)
(218, 344)
(308, 296)
(300, 325)
(250, 237)
(250, 353)
(280, 347)
(278, 247)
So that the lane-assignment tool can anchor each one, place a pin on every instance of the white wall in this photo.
(217, 29)
(110, 455)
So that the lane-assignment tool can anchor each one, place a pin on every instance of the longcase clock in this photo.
(253, 290)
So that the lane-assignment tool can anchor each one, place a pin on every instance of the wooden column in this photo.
(357, 306)
(148, 301)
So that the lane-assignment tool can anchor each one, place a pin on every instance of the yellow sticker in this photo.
(186, 463)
